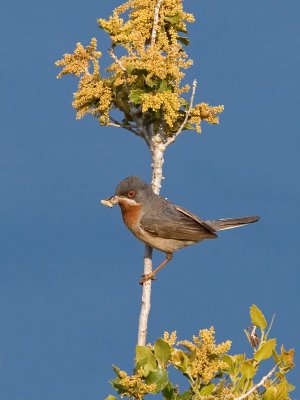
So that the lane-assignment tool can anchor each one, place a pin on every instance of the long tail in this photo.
(229, 223)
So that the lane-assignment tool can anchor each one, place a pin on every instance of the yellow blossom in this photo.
(134, 385)
(207, 359)
(170, 338)
(94, 96)
(78, 62)
(153, 66)
(204, 112)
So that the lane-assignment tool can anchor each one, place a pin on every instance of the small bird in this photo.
(161, 224)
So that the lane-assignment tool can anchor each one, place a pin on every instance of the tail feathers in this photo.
(229, 223)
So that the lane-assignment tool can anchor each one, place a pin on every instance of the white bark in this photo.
(259, 384)
(146, 299)
(155, 21)
(157, 152)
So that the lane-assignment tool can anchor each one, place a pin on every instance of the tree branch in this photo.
(173, 138)
(117, 61)
(157, 151)
(119, 124)
(155, 21)
(255, 387)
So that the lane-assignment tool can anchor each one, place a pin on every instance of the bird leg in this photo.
(146, 278)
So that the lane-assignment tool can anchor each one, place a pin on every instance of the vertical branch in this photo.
(155, 21)
(146, 299)
(157, 152)
(172, 139)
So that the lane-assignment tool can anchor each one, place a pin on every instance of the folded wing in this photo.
(176, 223)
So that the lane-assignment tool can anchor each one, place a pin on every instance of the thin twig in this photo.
(115, 125)
(255, 387)
(270, 327)
(117, 61)
(155, 22)
(119, 124)
(173, 138)
(134, 111)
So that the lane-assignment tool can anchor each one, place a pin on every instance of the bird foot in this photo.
(146, 278)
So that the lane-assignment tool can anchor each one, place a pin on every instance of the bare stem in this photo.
(259, 384)
(117, 61)
(173, 138)
(146, 299)
(118, 124)
(157, 151)
(155, 22)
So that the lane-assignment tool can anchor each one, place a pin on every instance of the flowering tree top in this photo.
(144, 82)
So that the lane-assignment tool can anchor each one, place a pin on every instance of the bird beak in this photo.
(111, 201)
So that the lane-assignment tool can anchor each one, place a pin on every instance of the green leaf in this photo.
(228, 360)
(290, 387)
(162, 350)
(184, 396)
(116, 370)
(207, 390)
(183, 40)
(163, 86)
(238, 358)
(241, 383)
(183, 30)
(169, 392)
(144, 353)
(270, 393)
(116, 385)
(287, 357)
(130, 68)
(135, 96)
(150, 82)
(276, 357)
(265, 351)
(248, 369)
(257, 317)
(189, 127)
(145, 365)
(180, 360)
(159, 377)
(282, 392)
(173, 19)
(111, 397)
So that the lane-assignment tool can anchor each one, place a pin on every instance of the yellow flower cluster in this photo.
(149, 65)
(167, 102)
(222, 393)
(153, 67)
(204, 112)
(135, 33)
(94, 96)
(170, 338)
(207, 360)
(134, 385)
(78, 63)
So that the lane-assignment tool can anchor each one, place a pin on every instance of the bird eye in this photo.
(131, 194)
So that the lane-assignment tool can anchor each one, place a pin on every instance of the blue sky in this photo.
(69, 298)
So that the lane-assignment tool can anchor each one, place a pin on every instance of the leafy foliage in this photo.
(144, 82)
(211, 372)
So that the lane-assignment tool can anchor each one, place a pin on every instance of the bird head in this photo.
(131, 191)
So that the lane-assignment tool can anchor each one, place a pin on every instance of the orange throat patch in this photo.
(131, 214)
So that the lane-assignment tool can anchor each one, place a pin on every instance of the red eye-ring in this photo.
(131, 194)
